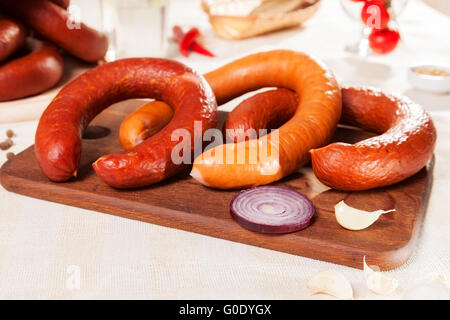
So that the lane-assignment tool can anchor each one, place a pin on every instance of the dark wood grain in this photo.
(182, 203)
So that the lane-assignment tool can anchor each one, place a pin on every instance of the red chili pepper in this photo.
(188, 40)
(179, 36)
(196, 47)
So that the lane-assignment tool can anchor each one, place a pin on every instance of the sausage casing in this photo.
(58, 136)
(12, 37)
(143, 123)
(312, 126)
(405, 144)
(33, 73)
(53, 23)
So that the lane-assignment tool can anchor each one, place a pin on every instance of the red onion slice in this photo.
(272, 210)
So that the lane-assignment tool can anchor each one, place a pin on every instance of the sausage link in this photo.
(312, 125)
(33, 73)
(143, 123)
(58, 136)
(12, 37)
(406, 143)
(52, 22)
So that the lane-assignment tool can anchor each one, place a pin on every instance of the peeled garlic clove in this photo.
(379, 283)
(355, 219)
(332, 283)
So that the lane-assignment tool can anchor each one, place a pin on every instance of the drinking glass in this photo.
(135, 28)
(353, 10)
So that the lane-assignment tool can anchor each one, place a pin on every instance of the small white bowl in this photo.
(430, 83)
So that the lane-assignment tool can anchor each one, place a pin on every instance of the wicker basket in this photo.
(240, 19)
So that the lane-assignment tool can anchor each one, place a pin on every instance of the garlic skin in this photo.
(355, 219)
(332, 283)
(379, 283)
(432, 287)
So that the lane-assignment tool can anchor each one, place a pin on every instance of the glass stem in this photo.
(361, 47)
(109, 28)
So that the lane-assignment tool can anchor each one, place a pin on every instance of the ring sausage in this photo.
(52, 22)
(406, 143)
(12, 37)
(312, 125)
(266, 110)
(33, 73)
(58, 136)
(407, 133)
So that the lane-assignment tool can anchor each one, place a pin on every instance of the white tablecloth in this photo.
(49, 250)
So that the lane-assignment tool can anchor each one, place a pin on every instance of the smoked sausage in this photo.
(263, 111)
(58, 136)
(33, 73)
(12, 37)
(312, 126)
(52, 22)
(405, 144)
(143, 123)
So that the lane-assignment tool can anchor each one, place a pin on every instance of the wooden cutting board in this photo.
(182, 203)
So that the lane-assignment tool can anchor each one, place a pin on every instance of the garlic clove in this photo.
(355, 219)
(379, 283)
(331, 283)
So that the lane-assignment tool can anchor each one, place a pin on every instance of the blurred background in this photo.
(441, 5)
(414, 34)
(333, 31)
